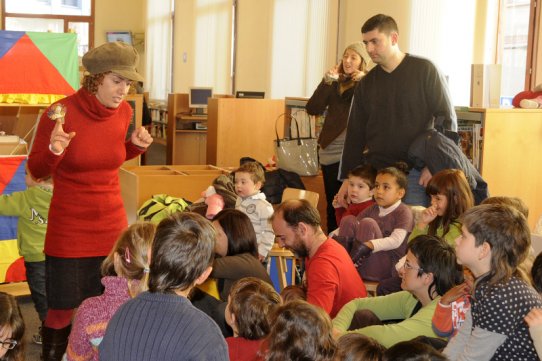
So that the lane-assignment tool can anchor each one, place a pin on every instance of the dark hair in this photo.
(132, 247)
(300, 331)
(294, 211)
(239, 231)
(10, 316)
(536, 273)
(413, 351)
(506, 231)
(436, 256)
(382, 23)
(365, 172)
(355, 346)
(293, 292)
(257, 174)
(92, 82)
(454, 186)
(182, 250)
(509, 201)
(399, 171)
(251, 301)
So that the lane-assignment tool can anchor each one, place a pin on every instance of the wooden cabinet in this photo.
(512, 155)
(191, 147)
(184, 145)
(239, 128)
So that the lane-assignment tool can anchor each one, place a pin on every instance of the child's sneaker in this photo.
(36, 338)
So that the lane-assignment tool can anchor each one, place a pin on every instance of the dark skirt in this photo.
(69, 281)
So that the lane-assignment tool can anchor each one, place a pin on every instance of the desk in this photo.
(185, 145)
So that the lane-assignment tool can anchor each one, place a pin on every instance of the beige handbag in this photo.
(298, 154)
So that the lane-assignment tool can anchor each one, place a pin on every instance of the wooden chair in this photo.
(294, 193)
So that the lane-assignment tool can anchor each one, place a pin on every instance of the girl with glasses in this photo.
(11, 329)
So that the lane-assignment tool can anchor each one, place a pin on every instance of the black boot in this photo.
(346, 242)
(55, 342)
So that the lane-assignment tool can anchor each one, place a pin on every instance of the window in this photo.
(158, 49)
(301, 33)
(436, 34)
(513, 44)
(55, 16)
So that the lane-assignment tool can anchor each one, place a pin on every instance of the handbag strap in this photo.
(296, 127)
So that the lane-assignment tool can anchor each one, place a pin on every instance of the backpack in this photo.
(160, 206)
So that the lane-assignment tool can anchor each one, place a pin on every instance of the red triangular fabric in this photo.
(25, 70)
(16, 271)
(8, 169)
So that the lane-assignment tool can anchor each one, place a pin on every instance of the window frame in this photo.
(65, 18)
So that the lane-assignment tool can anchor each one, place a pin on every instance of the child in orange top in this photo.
(452, 308)
(249, 327)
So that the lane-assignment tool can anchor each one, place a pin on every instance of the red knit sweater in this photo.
(87, 212)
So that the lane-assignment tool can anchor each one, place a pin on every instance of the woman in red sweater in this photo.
(82, 141)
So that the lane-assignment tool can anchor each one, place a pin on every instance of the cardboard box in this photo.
(140, 183)
(12, 145)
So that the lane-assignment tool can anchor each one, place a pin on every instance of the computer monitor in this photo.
(124, 36)
(249, 94)
(198, 98)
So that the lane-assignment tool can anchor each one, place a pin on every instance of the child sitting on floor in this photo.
(125, 272)
(249, 179)
(300, 331)
(379, 233)
(11, 329)
(534, 317)
(358, 347)
(249, 304)
(361, 183)
(494, 240)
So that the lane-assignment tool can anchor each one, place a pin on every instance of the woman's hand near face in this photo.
(332, 74)
(59, 138)
(357, 75)
(141, 138)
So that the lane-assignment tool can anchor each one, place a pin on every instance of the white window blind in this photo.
(304, 44)
(158, 47)
(443, 31)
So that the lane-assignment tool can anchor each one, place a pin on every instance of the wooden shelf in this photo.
(191, 131)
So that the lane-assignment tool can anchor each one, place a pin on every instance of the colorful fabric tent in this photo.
(12, 173)
(37, 68)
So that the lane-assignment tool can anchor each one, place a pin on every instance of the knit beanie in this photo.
(359, 48)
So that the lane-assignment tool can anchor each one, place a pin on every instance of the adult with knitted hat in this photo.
(334, 93)
(82, 141)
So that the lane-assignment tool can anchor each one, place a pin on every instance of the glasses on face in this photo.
(407, 266)
(8, 344)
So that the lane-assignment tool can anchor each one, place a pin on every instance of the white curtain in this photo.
(443, 31)
(304, 45)
(158, 48)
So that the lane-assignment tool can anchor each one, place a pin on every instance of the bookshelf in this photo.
(159, 116)
(185, 145)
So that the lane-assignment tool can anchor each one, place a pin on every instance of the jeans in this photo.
(331, 186)
(35, 276)
(415, 195)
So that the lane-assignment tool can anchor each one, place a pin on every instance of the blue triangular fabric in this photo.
(8, 39)
(8, 225)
